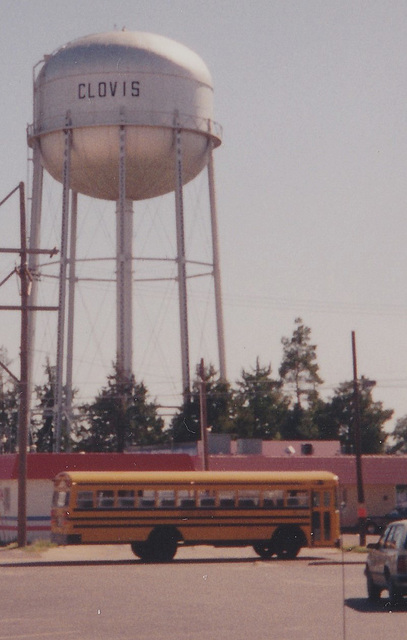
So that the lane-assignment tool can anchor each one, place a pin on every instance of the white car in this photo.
(386, 564)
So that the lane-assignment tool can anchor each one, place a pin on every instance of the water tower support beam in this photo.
(71, 314)
(33, 258)
(181, 261)
(216, 267)
(124, 264)
(62, 288)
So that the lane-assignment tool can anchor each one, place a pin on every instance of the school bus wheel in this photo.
(264, 549)
(140, 550)
(162, 544)
(287, 542)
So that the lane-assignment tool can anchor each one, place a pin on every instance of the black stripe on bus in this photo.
(197, 518)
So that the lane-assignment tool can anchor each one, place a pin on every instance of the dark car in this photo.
(376, 524)
(386, 564)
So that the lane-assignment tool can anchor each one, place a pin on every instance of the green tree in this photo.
(43, 421)
(260, 406)
(399, 436)
(121, 415)
(340, 414)
(299, 368)
(9, 401)
(186, 424)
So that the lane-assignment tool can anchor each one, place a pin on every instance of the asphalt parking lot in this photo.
(104, 592)
(122, 553)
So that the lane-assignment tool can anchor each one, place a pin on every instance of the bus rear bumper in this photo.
(63, 539)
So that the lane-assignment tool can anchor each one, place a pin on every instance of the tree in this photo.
(43, 427)
(399, 435)
(260, 406)
(121, 415)
(341, 416)
(43, 422)
(9, 401)
(299, 369)
(186, 424)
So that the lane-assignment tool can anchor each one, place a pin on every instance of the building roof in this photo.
(300, 447)
(376, 469)
(46, 465)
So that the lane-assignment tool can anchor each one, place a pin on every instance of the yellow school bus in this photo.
(156, 511)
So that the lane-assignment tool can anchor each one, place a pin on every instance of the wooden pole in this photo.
(358, 452)
(24, 402)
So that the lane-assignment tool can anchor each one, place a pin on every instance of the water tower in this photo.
(121, 116)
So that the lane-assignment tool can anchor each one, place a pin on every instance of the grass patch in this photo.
(8, 546)
(356, 549)
(39, 545)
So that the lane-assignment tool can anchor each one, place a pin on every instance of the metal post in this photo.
(216, 268)
(124, 274)
(62, 290)
(71, 315)
(358, 454)
(33, 258)
(181, 261)
(203, 416)
(24, 404)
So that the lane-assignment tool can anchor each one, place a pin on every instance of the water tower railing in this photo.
(139, 119)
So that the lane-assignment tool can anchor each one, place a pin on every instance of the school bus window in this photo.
(125, 499)
(84, 500)
(146, 498)
(327, 525)
(105, 499)
(316, 526)
(186, 499)
(327, 499)
(298, 499)
(273, 499)
(226, 499)
(316, 499)
(206, 498)
(248, 499)
(166, 498)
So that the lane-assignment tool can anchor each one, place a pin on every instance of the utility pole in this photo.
(359, 472)
(24, 404)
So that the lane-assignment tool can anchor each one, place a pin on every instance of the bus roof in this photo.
(197, 477)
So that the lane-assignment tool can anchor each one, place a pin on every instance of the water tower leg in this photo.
(33, 258)
(216, 268)
(71, 316)
(62, 291)
(124, 274)
(181, 260)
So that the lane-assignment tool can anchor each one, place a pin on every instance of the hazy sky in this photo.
(310, 177)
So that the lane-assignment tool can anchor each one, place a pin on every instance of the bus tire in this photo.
(162, 544)
(264, 549)
(287, 542)
(140, 550)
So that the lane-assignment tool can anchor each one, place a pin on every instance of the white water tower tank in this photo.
(145, 82)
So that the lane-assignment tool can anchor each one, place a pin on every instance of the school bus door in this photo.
(321, 525)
